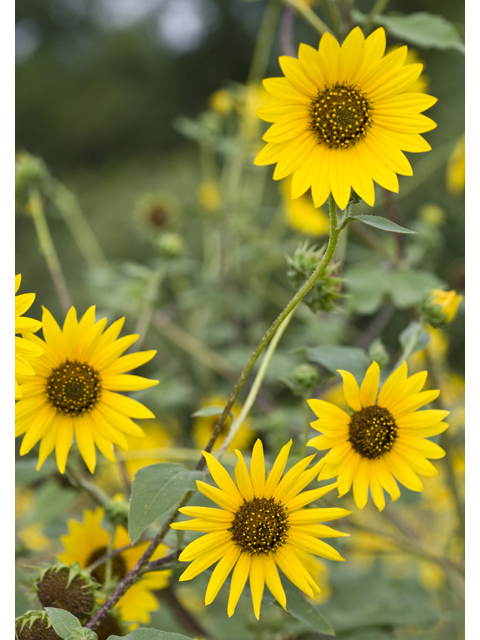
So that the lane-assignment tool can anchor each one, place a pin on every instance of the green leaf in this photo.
(207, 412)
(407, 288)
(366, 286)
(306, 612)
(156, 490)
(150, 634)
(334, 357)
(422, 339)
(62, 621)
(423, 30)
(382, 223)
(26, 470)
(22, 603)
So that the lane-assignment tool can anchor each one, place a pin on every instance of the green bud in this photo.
(82, 633)
(170, 245)
(327, 290)
(305, 377)
(35, 625)
(116, 512)
(378, 353)
(439, 308)
(30, 173)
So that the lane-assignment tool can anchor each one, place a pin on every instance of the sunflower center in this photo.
(73, 388)
(118, 571)
(260, 526)
(340, 115)
(372, 431)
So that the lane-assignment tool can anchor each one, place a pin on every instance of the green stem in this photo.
(48, 249)
(148, 308)
(309, 15)
(235, 427)
(408, 350)
(264, 41)
(81, 231)
(334, 17)
(379, 7)
(301, 293)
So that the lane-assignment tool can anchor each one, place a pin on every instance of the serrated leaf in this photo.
(423, 30)
(207, 412)
(382, 223)
(156, 490)
(306, 612)
(334, 357)
(62, 621)
(422, 339)
(150, 634)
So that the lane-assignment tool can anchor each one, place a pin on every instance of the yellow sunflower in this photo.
(73, 390)
(456, 169)
(379, 441)
(87, 542)
(203, 426)
(448, 302)
(24, 349)
(342, 117)
(261, 525)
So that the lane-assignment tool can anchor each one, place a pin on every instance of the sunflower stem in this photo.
(235, 426)
(309, 15)
(301, 293)
(146, 313)
(48, 250)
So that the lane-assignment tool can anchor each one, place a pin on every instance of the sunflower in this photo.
(74, 387)
(261, 525)
(203, 426)
(24, 349)
(342, 117)
(448, 302)
(456, 169)
(86, 542)
(379, 441)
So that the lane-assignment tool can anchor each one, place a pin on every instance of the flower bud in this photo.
(324, 293)
(35, 625)
(170, 245)
(69, 588)
(304, 378)
(116, 511)
(439, 308)
(155, 213)
(378, 353)
(30, 173)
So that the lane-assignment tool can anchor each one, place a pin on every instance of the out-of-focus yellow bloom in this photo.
(209, 196)
(421, 84)
(156, 437)
(251, 98)
(203, 426)
(456, 169)
(301, 214)
(448, 301)
(33, 537)
(221, 101)
(432, 214)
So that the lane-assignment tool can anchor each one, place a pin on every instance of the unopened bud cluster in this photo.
(327, 290)
(439, 308)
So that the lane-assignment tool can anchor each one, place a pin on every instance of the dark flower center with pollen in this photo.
(340, 115)
(373, 432)
(260, 526)
(73, 388)
(118, 570)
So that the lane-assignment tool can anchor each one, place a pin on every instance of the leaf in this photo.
(157, 489)
(150, 634)
(22, 603)
(423, 30)
(422, 340)
(334, 357)
(382, 223)
(366, 287)
(63, 621)
(207, 412)
(407, 288)
(306, 612)
(26, 470)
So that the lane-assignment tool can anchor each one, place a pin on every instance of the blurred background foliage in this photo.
(116, 97)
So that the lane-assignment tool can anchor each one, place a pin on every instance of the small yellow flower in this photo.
(301, 214)
(77, 389)
(87, 542)
(209, 196)
(381, 440)
(33, 537)
(25, 350)
(203, 426)
(260, 526)
(221, 101)
(448, 302)
(456, 169)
